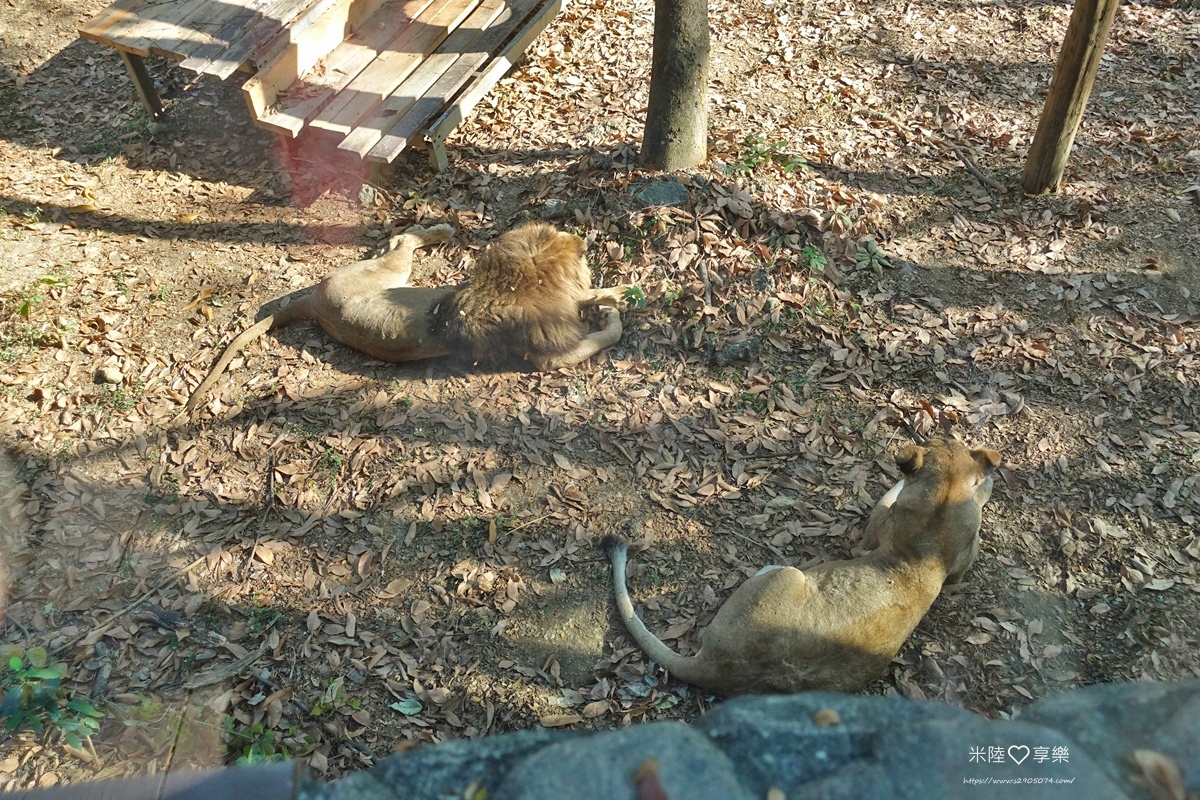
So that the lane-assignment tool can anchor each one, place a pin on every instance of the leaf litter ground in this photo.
(340, 557)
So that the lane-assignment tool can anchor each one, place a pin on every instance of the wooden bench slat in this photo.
(217, 24)
(397, 61)
(263, 38)
(367, 132)
(484, 30)
(97, 27)
(163, 36)
(231, 31)
(374, 70)
(125, 32)
(331, 74)
(390, 146)
(310, 39)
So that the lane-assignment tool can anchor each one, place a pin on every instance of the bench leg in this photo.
(144, 84)
(437, 154)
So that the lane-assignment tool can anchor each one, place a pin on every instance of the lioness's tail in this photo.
(683, 667)
(298, 310)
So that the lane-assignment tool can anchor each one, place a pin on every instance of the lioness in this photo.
(838, 625)
(523, 298)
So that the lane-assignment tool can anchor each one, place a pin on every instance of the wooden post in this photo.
(143, 83)
(676, 135)
(437, 154)
(1074, 75)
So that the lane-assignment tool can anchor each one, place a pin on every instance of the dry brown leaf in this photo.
(559, 720)
(264, 554)
(395, 588)
(678, 629)
(596, 708)
(201, 296)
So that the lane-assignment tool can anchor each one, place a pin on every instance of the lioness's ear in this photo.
(987, 460)
(910, 458)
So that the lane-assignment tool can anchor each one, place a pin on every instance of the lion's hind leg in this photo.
(587, 347)
(435, 234)
(399, 257)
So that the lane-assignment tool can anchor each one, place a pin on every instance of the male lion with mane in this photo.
(523, 298)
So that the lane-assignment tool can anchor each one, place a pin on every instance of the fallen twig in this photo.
(764, 545)
(974, 170)
(113, 617)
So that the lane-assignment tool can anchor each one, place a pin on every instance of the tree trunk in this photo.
(676, 134)
(1069, 90)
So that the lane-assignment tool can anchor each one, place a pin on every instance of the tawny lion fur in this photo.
(523, 298)
(838, 625)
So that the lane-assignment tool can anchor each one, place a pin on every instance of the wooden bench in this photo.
(379, 74)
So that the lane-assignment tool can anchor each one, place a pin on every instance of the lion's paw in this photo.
(425, 237)
(433, 235)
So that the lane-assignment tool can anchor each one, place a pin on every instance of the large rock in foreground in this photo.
(822, 745)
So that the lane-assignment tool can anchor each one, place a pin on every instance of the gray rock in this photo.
(933, 759)
(554, 208)
(854, 781)
(763, 281)
(439, 771)
(774, 741)
(664, 193)
(745, 350)
(602, 767)
(885, 748)
(1112, 720)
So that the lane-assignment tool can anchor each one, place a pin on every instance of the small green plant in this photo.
(118, 398)
(333, 698)
(634, 297)
(813, 258)
(255, 744)
(869, 256)
(307, 431)
(758, 152)
(331, 462)
(817, 307)
(261, 619)
(34, 697)
(415, 199)
(31, 296)
(671, 294)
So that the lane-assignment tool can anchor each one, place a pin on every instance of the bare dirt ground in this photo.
(339, 556)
